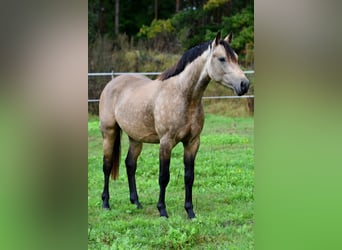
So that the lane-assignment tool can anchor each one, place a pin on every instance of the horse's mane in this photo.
(189, 56)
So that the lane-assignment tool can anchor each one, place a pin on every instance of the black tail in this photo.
(116, 154)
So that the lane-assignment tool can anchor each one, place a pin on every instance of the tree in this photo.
(184, 23)
(218, 8)
(117, 11)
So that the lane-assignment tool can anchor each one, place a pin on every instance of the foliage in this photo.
(92, 20)
(241, 24)
(222, 193)
(193, 26)
(242, 27)
(157, 27)
(213, 4)
(195, 22)
(190, 35)
(160, 35)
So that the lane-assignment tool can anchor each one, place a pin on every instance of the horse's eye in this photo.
(222, 59)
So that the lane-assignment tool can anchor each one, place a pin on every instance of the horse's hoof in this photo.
(192, 217)
(162, 210)
(163, 213)
(164, 216)
(191, 214)
(139, 205)
(106, 207)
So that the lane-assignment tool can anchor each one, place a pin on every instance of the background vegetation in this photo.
(176, 25)
(152, 35)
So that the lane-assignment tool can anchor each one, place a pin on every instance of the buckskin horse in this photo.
(167, 110)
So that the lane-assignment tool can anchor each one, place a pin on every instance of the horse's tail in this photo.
(116, 154)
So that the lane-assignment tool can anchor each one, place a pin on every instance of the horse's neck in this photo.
(194, 79)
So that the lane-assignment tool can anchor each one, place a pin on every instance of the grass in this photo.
(222, 194)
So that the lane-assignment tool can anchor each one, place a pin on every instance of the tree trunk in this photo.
(177, 6)
(117, 17)
(156, 9)
(101, 21)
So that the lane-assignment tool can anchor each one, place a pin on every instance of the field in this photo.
(222, 194)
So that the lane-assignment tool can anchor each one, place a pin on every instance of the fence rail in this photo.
(112, 74)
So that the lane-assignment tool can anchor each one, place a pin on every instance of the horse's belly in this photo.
(138, 126)
(141, 134)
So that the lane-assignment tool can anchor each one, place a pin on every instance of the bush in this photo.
(161, 35)
(242, 26)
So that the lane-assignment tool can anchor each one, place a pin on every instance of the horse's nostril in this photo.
(244, 86)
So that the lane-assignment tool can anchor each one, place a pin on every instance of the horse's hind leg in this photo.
(131, 166)
(109, 135)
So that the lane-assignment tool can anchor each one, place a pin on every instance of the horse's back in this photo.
(118, 86)
(128, 101)
(121, 83)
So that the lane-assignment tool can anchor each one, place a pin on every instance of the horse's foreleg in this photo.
(190, 151)
(164, 174)
(131, 166)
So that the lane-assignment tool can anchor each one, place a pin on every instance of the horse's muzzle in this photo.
(244, 85)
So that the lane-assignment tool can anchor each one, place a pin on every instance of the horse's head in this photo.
(222, 66)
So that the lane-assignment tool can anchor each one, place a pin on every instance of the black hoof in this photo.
(105, 201)
(137, 203)
(163, 213)
(191, 214)
(139, 206)
(106, 206)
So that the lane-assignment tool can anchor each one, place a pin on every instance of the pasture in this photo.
(222, 193)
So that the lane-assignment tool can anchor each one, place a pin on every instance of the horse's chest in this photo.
(183, 124)
(190, 131)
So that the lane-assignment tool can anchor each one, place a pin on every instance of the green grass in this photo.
(222, 194)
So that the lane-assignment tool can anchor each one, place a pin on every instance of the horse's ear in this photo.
(229, 38)
(218, 38)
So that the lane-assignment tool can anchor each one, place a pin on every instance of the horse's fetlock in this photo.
(105, 196)
(160, 206)
(188, 205)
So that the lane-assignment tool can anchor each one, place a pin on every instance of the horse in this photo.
(167, 110)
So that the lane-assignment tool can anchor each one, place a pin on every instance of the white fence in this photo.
(113, 74)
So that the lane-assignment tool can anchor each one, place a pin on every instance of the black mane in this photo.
(188, 57)
(191, 54)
